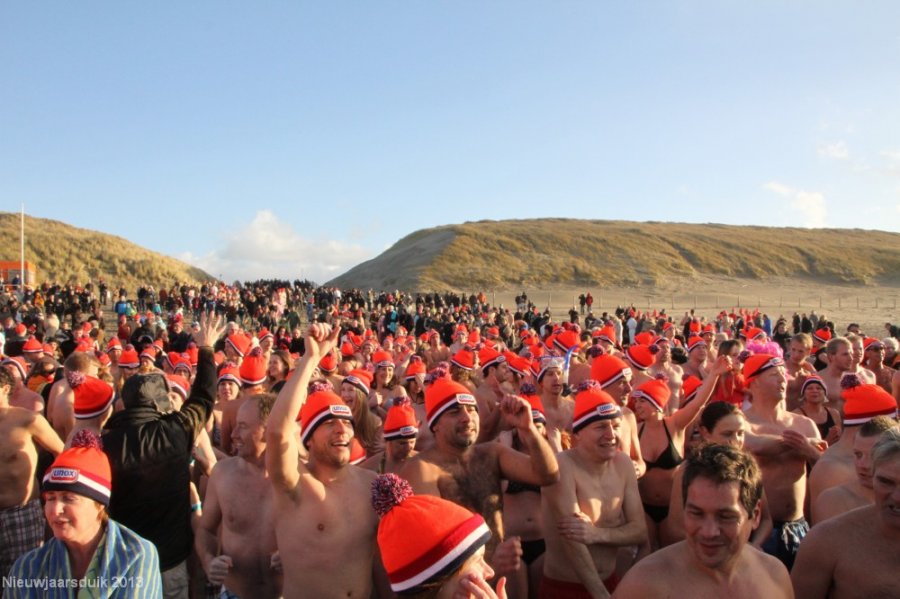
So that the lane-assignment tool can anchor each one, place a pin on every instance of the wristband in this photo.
(196, 507)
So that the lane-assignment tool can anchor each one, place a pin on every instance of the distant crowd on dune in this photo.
(279, 438)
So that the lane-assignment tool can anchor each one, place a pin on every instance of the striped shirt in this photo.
(126, 566)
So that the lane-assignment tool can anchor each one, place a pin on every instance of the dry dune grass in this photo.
(555, 253)
(68, 254)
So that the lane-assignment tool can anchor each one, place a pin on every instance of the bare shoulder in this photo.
(763, 563)
(373, 462)
(800, 423)
(654, 575)
(363, 476)
(622, 463)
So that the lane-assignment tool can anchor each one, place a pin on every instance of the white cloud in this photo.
(810, 205)
(837, 150)
(268, 247)
(893, 160)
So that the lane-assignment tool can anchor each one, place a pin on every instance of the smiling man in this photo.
(722, 487)
(319, 518)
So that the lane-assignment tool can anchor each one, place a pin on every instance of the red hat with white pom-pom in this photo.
(422, 538)
(92, 396)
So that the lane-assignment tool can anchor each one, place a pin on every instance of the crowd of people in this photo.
(275, 438)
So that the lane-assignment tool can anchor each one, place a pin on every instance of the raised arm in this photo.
(683, 417)
(539, 466)
(196, 410)
(282, 461)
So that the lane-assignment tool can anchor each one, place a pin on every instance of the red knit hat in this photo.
(422, 538)
(361, 379)
(645, 338)
(607, 333)
(695, 343)
(240, 343)
(755, 334)
(193, 354)
(382, 359)
(19, 364)
(689, 386)
(400, 422)
(868, 343)
(171, 359)
(263, 334)
(149, 353)
(32, 346)
(518, 364)
(592, 404)
(566, 340)
(657, 392)
(529, 392)
(83, 469)
(179, 385)
(319, 407)
(129, 359)
(641, 356)
(464, 359)
(92, 396)
(864, 402)
(759, 363)
(415, 367)
(114, 344)
(229, 372)
(822, 335)
(442, 395)
(253, 368)
(357, 452)
(607, 369)
(328, 364)
(488, 357)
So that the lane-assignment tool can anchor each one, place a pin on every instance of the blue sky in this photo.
(298, 139)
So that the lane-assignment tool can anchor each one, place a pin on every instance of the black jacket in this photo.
(150, 454)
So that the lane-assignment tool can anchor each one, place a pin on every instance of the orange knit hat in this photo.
(608, 369)
(422, 538)
(361, 379)
(129, 359)
(83, 469)
(253, 368)
(464, 359)
(592, 404)
(319, 407)
(92, 396)
(400, 422)
(442, 395)
(415, 367)
(657, 392)
(864, 402)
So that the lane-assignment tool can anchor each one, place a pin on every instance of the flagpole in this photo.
(22, 254)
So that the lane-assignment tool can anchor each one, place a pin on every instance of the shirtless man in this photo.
(493, 387)
(856, 344)
(614, 377)
(468, 474)
(61, 401)
(784, 443)
(595, 507)
(319, 518)
(401, 429)
(722, 490)
(839, 354)
(436, 352)
(874, 361)
(857, 554)
(21, 396)
(861, 404)
(797, 368)
(21, 516)
(239, 499)
(855, 493)
(558, 410)
(673, 372)
(251, 386)
(698, 352)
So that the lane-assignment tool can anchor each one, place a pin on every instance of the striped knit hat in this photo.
(812, 380)
(864, 402)
(319, 407)
(359, 378)
(657, 392)
(253, 368)
(229, 372)
(422, 538)
(19, 364)
(608, 369)
(92, 396)
(593, 404)
(129, 359)
(641, 356)
(488, 357)
(689, 387)
(464, 359)
(83, 469)
(415, 367)
(400, 422)
(444, 394)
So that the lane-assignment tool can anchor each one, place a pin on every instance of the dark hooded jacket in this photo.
(150, 454)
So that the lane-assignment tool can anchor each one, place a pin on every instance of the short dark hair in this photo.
(723, 464)
(876, 426)
(716, 411)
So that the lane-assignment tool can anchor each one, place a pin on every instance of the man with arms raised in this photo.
(320, 520)
(784, 443)
(468, 474)
(239, 499)
(21, 517)
(857, 554)
(722, 489)
(595, 507)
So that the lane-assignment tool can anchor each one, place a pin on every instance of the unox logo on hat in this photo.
(64, 475)
(408, 430)
(343, 411)
(465, 399)
(608, 410)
